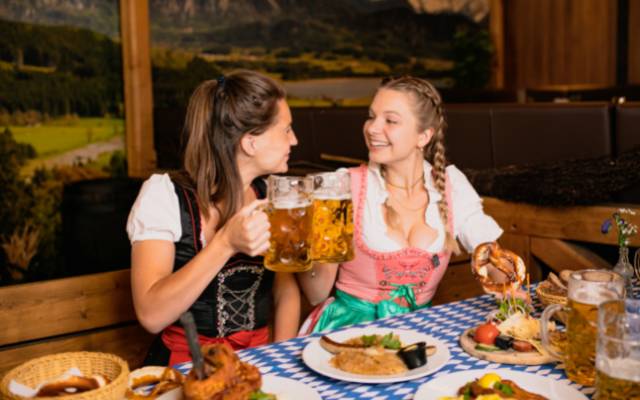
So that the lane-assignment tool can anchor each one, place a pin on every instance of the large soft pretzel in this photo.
(490, 254)
(71, 385)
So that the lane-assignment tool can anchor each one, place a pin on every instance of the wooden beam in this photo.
(129, 342)
(497, 32)
(559, 255)
(61, 306)
(580, 223)
(138, 97)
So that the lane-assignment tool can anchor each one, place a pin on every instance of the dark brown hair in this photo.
(427, 105)
(219, 113)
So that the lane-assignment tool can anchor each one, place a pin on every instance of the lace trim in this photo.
(236, 308)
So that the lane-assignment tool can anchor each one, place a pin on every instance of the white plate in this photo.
(288, 389)
(448, 385)
(318, 358)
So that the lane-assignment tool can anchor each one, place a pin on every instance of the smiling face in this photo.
(272, 147)
(392, 131)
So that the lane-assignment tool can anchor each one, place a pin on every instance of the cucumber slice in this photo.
(487, 347)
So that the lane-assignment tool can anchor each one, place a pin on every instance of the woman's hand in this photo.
(248, 230)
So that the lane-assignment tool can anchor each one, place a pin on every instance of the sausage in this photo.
(522, 346)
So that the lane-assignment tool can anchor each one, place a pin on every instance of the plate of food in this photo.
(480, 384)
(225, 375)
(375, 355)
(511, 335)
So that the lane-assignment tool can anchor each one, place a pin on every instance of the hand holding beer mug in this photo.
(586, 290)
(332, 230)
(618, 350)
(290, 216)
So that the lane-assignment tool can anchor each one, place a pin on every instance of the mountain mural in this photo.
(171, 15)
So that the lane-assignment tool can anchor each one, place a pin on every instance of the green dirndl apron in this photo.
(348, 310)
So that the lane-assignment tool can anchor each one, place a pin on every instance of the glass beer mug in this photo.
(332, 230)
(290, 216)
(586, 290)
(618, 350)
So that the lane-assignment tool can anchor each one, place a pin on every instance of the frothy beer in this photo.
(290, 215)
(332, 231)
(618, 350)
(587, 290)
(290, 244)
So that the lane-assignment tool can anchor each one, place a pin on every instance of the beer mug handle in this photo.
(544, 320)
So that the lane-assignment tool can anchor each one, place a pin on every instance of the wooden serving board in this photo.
(503, 356)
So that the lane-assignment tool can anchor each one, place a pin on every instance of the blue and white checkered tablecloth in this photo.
(446, 322)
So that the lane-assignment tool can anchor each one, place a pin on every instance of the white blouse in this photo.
(471, 225)
(156, 212)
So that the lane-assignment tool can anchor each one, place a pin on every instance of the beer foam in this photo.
(594, 296)
(286, 204)
(326, 196)
(618, 368)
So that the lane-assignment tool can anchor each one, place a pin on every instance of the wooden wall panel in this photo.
(129, 342)
(560, 42)
(634, 41)
(57, 307)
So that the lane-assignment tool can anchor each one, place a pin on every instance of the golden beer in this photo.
(581, 342)
(587, 289)
(332, 231)
(618, 350)
(290, 246)
(613, 388)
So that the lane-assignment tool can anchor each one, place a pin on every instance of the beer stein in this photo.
(618, 350)
(587, 289)
(332, 230)
(290, 215)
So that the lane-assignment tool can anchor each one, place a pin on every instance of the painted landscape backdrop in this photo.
(61, 91)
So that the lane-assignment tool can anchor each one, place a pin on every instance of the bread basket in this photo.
(48, 368)
(548, 296)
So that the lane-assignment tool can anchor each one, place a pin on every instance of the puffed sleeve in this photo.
(471, 225)
(156, 212)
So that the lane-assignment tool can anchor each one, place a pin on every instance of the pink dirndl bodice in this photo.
(372, 275)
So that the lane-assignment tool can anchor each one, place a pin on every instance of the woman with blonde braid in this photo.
(409, 209)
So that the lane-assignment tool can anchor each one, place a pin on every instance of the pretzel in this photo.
(490, 254)
(71, 385)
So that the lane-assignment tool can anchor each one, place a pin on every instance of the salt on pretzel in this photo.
(490, 254)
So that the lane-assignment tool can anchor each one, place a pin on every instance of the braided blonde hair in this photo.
(430, 114)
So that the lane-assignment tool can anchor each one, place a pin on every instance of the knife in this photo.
(189, 326)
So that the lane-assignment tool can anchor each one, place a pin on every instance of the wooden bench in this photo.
(91, 312)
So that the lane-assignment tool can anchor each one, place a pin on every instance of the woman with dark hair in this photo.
(409, 209)
(197, 234)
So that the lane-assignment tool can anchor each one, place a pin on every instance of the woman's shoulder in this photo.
(456, 176)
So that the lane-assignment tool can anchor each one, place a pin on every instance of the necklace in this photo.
(420, 178)
(395, 199)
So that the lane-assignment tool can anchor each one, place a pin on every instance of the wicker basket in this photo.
(34, 372)
(547, 298)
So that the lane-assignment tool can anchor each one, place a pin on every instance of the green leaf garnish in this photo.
(260, 395)
(501, 387)
(390, 342)
(369, 340)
